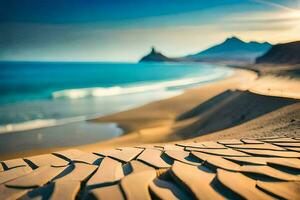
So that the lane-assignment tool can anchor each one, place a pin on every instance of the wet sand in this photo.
(57, 137)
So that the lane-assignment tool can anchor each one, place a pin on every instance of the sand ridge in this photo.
(225, 169)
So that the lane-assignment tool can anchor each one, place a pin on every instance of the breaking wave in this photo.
(38, 123)
(130, 89)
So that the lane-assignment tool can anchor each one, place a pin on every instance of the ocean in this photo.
(40, 95)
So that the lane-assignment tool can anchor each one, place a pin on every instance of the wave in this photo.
(178, 85)
(145, 87)
(38, 123)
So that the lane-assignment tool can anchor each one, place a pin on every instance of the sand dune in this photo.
(236, 107)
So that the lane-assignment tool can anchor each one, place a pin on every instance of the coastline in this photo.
(223, 101)
(64, 104)
(90, 121)
(165, 114)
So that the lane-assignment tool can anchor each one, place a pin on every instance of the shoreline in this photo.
(121, 126)
(165, 117)
(179, 118)
(141, 92)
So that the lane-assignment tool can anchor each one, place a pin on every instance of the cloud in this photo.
(276, 5)
(128, 39)
(283, 18)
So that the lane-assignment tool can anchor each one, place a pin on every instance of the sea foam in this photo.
(38, 123)
(137, 88)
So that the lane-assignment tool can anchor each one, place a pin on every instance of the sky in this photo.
(124, 30)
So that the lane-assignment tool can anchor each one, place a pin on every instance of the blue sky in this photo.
(124, 30)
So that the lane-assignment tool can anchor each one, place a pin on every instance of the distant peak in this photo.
(233, 39)
(155, 56)
(153, 51)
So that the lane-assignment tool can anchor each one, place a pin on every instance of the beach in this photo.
(240, 129)
(208, 112)
(150, 100)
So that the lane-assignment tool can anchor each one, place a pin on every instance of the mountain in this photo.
(288, 53)
(155, 56)
(232, 49)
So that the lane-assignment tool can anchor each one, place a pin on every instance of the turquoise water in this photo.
(42, 94)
